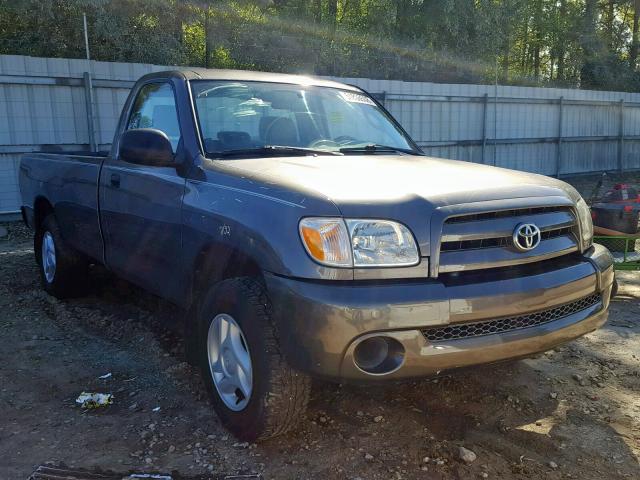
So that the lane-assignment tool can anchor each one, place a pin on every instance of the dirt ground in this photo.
(571, 413)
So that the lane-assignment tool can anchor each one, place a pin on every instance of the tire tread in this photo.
(287, 391)
(286, 383)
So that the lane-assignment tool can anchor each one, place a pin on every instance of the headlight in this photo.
(586, 224)
(358, 243)
(381, 243)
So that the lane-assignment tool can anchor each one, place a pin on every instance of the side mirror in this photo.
(146, 146)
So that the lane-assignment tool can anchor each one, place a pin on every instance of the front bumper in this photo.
(320, 323)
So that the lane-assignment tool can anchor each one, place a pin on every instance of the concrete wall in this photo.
(43, 105)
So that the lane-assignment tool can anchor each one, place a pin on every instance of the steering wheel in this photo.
(323, 142)
(345, 139)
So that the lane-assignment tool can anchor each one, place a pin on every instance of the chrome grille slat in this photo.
(462, 260)
(490, 327)
(484, 240)
(503, 227)
(504, 213)
(505, 241)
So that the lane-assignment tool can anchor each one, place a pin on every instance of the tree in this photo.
(580, 43)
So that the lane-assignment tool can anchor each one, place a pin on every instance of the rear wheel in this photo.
(254, 391)
(63, 271)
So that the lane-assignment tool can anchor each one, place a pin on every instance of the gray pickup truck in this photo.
(305, 234)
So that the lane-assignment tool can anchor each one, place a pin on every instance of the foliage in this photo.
(575, 43)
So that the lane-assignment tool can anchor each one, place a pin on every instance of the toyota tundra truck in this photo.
(305, 234)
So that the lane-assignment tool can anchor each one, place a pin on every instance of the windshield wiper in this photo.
(376, 148)
(273, 150)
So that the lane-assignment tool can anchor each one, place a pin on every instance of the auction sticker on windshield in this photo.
(356, 98)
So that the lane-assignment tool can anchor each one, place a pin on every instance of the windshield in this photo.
(248, 116)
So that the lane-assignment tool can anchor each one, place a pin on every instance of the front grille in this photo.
(500, 241)
(490, 327)
(484, 240)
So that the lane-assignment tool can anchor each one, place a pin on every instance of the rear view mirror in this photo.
(146, 146)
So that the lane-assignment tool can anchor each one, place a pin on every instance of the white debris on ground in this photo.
(94, 400)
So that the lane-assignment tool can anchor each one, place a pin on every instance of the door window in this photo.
(155, 107)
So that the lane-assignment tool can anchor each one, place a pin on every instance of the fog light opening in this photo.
(379, 355)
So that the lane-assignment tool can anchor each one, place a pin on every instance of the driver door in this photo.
(141, 204)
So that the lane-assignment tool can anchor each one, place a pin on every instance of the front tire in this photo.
(255, 393)
(63, 271)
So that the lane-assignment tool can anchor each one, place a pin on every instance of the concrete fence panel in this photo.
(70, 104)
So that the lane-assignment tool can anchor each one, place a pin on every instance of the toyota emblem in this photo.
(526, 236)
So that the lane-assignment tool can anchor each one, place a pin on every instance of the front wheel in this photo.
(256, 394)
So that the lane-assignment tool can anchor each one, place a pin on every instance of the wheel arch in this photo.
(218, 261)
(214, 263)
(41, 209)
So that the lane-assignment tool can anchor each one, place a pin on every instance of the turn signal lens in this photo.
(327, 241)
(586, 224)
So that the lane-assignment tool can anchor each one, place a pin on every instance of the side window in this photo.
(155, 107)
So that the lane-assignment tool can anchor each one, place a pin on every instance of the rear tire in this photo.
(63, 270)
(277, 394)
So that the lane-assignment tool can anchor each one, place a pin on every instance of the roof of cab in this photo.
(246, 76)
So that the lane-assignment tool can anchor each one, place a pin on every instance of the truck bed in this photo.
(69, 183)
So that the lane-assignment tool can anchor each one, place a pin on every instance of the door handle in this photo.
(115, 180)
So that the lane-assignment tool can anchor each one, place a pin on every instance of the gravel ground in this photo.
(571, 413)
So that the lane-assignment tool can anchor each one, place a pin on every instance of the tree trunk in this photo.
(403, 10)
(207, 39)
(506, 52)
(589, 27)
(333, 15)
(538, 40)
(611, 15)
(316, 10)
(589, 43)
(562, 47)
(525, 48)
(633, 54)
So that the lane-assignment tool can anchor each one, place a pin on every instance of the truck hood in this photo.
(404, 188)
(357, 183)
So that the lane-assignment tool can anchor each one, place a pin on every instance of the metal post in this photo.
(88, 90)
(621, 138)
(495, 119)
(560, 115)
(88, 100)
(485, 103)
(86, 35)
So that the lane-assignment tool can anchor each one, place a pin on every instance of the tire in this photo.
(67, 276)
(614, 288)
(278, 394)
